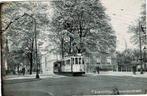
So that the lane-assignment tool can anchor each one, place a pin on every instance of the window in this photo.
(63, 63)
(98, 62)
(72, 60)
(76, 59)
(83, 61)
(67, 61)
(79, 60)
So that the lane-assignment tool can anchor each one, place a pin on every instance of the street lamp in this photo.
(37, 65)
(37, 71)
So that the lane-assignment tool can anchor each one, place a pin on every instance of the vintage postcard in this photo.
(73, 47)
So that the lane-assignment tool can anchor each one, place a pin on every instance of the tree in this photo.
(21, 32)
(140, 35)
(128, 56)
(142, 28)
(16, 59)
(82, 26)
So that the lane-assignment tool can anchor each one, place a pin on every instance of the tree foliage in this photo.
(136, 28)
(21, 32)
(128, 56)
(83, 25)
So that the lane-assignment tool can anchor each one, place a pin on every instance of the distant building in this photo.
(47, 63)
(104, 61)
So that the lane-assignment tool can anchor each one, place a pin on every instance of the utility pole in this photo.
(140, 46)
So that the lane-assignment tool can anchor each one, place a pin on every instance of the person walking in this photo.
(134, 70)
(23, 70)
(98, 69)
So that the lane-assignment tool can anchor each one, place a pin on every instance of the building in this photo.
(104, 61)
(47, 61)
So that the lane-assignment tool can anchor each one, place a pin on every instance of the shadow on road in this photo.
(14, 81)
(27, 93)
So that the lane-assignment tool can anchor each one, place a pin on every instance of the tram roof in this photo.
(73, 56)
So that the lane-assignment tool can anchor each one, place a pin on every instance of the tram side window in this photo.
(76, 59)
(67, 62)
(82, 61)
(72, 60)
(63, 63)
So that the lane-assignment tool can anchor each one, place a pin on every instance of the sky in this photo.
(123, 13)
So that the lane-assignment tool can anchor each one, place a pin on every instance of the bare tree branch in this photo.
(11, 22)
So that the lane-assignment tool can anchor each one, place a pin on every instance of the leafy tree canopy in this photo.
(83, 25)
(142, 27)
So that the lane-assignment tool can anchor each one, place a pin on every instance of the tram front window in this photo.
(82, 61)
(76, 59)
(79, 60)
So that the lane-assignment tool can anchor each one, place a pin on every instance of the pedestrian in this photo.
(134, 70)
(23, 70)
(98, 69)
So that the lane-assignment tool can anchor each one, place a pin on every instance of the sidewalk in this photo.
(27, 76)
(112, 73)
(102, 73)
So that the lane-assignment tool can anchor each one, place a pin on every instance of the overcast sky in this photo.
(122, 14)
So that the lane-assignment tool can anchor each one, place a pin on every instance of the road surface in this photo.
(75, 86)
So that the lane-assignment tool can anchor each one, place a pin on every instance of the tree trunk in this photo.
(70, 46)
(62, 51)
(3, 71)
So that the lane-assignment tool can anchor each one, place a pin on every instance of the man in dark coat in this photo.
(23, 70)
(98, 69)
(134, 70)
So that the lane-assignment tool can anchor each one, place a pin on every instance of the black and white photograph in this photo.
(73, 47)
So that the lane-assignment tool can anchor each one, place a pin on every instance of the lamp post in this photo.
(36, 56)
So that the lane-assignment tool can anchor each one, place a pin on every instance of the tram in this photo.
(74, 65)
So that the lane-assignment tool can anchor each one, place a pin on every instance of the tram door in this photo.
(57, 66)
